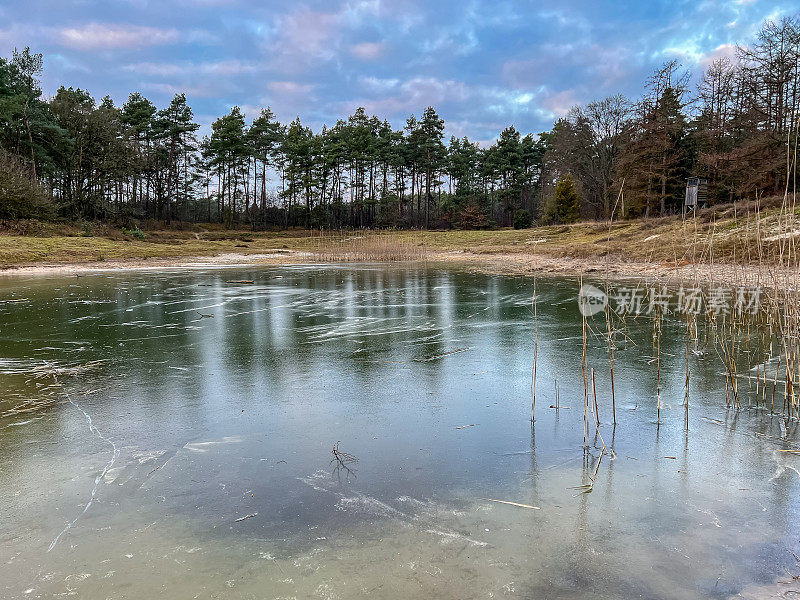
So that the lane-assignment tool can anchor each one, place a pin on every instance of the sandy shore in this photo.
(508, 264)
(230, 260)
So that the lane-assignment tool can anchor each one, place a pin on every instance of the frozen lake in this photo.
(169, 434)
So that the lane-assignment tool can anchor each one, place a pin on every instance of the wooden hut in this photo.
(696, 193)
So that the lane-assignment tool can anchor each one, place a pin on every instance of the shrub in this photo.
(522, 219)
(472, 217)
(135, 233)
(21, 196)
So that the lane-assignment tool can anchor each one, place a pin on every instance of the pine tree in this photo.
(137, 118)
(228, 149)
(264, 137)
(432, 151)
(564, 206)
(175, 127)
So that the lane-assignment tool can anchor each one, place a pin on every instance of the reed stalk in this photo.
(535, 351)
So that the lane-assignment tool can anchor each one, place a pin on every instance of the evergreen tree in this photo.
(227, 149)
(264, 138)
(654, 160)
(564, 206)
(431, 150)
(174, 127)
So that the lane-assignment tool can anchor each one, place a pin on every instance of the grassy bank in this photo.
(733, 234)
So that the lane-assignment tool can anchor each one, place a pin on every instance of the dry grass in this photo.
(730, 231)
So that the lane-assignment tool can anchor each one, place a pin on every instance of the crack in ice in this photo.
(97, 480)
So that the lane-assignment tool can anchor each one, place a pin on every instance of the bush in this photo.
(135, 233)
(522, 219)
(21, 196)
(472, 217)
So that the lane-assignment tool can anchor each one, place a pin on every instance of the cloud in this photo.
(155, 69)
(378, 85)
(392, 97)
(305, 36)
(99, 36)
(289, 87)
(288, 100)
(559, 103)
(722, 51)
(367, 50)
(204, 3)
(220, 68)
(483, 64)
(588, 64)
(204, 90)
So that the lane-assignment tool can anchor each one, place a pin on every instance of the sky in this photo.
(484, 65)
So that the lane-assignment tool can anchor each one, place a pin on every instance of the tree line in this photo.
(71, 157)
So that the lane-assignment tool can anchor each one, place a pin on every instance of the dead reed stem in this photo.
(535, 351)
(585, 381)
